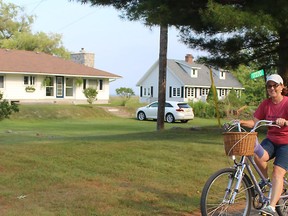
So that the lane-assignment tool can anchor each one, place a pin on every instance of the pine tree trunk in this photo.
(162, 76)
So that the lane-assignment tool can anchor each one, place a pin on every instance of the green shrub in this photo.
(6, 109)
(226, 107)
(125, 94)
(204, 110)
(90, 94)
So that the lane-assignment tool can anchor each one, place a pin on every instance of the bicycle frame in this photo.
(241, 167)
(244, 164)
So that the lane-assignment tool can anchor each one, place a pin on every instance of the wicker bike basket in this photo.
(239, 143)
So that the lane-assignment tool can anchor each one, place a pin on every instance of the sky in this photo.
(121, 47)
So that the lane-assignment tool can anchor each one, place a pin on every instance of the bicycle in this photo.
(233, 190)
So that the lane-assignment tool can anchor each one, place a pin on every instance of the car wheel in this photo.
(184, 121)
(170, 118)
(141, 116)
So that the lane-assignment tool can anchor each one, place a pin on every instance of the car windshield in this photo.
(184, 105)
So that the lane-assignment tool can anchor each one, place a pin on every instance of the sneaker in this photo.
(268, 211)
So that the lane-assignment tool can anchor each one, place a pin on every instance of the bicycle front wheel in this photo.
(217, 193)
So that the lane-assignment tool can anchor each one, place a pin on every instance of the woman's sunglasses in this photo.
(274, 86)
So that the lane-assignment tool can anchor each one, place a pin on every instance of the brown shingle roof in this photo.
(21, 61)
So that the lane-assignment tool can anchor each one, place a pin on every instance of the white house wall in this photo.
(173, 83)
(14, 90)
(151, 80)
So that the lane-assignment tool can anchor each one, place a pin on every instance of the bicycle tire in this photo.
(214, 190)
(282, 206)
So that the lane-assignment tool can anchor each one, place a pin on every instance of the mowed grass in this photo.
(81, 160)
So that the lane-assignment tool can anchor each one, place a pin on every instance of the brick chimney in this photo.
(82, 57)
(189, 58)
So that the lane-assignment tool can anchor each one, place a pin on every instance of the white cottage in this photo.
(33, 77)
(187, 80)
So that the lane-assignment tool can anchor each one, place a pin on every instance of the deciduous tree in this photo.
(125, 94)
(15, 33)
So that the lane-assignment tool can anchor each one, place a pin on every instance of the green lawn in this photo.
(78, 160)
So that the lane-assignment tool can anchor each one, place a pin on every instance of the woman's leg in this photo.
(277, 184)
(262, 163)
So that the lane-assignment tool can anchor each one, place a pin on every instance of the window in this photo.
(168, 105)
(194, 73)
(1, 81)
(238, 93)
(204, 91)
(69, 87)
(93, 83)
(184, 105)
(190, 92)
(222, 74)
(154, 104)
(29, 80)
(146, 92)
(221, 92)
(176, 92)
(49, 83)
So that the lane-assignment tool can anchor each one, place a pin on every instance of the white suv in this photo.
(174, 111)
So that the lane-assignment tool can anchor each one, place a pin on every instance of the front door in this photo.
(59, 87)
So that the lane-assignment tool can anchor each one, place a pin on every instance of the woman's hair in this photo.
(285, 91)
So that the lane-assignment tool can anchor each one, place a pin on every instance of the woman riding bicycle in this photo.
(275, 145)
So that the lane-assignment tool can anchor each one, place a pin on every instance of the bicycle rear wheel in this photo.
(217, 192)
(282, 205)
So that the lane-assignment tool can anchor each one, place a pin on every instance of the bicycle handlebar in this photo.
(236, 123)
(261, 123)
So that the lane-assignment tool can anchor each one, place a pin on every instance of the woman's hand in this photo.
(281, 122)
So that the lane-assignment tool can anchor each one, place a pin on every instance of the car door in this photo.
(151, 111)
(169, 108)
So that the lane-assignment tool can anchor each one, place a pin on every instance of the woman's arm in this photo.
(248, 123)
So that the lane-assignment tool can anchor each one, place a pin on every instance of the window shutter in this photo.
(100, 84)
(182, 91)
(141, 90)
(170, 91)
(151, 91)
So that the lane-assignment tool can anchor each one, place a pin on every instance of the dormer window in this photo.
(194, 73)
(222, 74)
